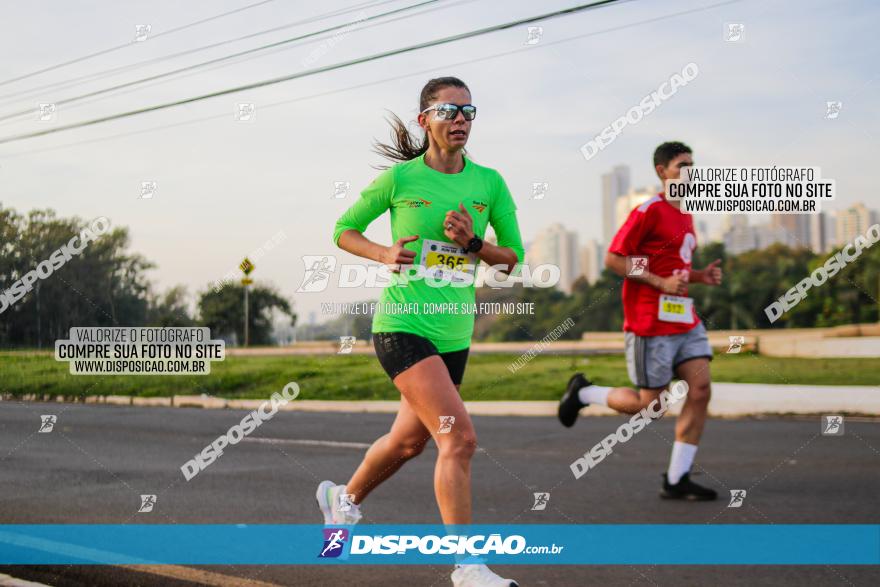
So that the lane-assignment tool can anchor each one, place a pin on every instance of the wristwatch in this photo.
(474, 245)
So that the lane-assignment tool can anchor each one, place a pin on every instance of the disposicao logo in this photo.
(334, 543)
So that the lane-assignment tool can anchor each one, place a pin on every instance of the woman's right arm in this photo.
(375, 200)
(356, 243)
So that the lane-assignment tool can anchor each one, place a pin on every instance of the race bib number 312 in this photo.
(676, 309)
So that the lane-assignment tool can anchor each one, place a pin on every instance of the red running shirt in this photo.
(659, 231)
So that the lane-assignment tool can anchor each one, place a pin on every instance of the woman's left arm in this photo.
(509, 250)
(459, 228)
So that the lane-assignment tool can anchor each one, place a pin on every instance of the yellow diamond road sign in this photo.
(246, 266)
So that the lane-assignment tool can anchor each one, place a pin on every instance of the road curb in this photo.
(728, 400)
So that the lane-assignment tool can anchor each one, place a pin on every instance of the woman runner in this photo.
(441, 203)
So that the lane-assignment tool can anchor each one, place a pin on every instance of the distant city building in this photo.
(830, 230)
(819, 242)
(702, 228)
(733, 221)
(852, 222)
(591, 261)
(792, 230)
(557, 246)
(739, 239)
(728, 222)
(614, 184)
(768, 234)
(627, 202)
(717, 233)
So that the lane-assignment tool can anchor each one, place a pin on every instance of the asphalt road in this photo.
(98, 460)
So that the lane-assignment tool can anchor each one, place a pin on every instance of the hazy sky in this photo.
(226, 187)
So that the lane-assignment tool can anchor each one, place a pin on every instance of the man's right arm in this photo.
(675, 284)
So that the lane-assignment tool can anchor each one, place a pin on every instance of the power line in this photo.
(264, 83)
(220, 59)
(112, 71)
(269, 52)
(118, 47)
(542, 45)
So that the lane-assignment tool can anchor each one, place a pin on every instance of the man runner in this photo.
(653, 251)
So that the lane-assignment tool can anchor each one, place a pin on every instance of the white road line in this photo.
(105, 557)
(307, 442)
(8, 581)
(199, 576)
(71, 550)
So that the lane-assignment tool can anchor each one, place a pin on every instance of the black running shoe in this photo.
(686, 489)
(570, 404)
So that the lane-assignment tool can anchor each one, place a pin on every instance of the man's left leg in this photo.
(691, 364)
(692, 420)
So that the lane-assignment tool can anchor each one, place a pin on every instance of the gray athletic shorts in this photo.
(651, 360)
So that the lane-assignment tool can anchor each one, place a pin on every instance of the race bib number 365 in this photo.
(676, 309)
(443, 260)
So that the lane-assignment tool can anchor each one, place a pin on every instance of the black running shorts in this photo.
(398, 351)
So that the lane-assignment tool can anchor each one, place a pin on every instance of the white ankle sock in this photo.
(681, 460)
(594, 394)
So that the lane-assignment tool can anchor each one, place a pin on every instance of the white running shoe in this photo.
(336, 508)
(479, 576)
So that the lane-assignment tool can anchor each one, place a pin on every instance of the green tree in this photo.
(599, 307)
(223, 312)
(169, 309)
(714, 303)
(850, 297)
(758, 278)
(103, 285)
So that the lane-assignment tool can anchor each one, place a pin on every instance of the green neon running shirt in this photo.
(418, 198)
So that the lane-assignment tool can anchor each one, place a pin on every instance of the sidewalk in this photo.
(728, 400)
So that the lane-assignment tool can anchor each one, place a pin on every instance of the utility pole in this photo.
(246, 268)
(39, 320)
